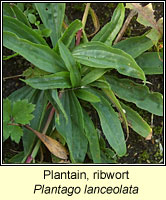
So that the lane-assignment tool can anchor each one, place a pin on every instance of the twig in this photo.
(14, 151)
(48, 120)
(37, 146)
(125, 25)
(85, 15)
(9, 77)
(151, 124)
(79, 33)
(14, 124)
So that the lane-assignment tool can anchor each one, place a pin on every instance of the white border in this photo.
(1, 164)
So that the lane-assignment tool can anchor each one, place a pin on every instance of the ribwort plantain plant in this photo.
(71, 74)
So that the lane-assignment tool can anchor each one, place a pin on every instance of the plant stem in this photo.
(78, 36)
(85, 39)
(37, 146)
(11, 56)
(85, 15)
(14, 124)
(109, 93)
(125, 25)
(79, 33)
(65, 25)
(9, 77)
(49, 120)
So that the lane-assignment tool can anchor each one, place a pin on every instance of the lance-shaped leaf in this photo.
(25, 92)
(154, 34)
(135, 46)
(107, 154)
(71, 64)
(110, 124)
(7, 110)
(33, 72)
(110, 30)
(40, 55)
(21, 30)
(138, 94)
(52, 15)
(32, 18)
(101, 83)
(53, 145)
(7, 10)
(29, 138)
(70, 32)
(86, 95)
(151, 63)
(20, 15)
(98, 55)
(38, 98)
(92, 137)
(92, 76)
(52, 81)
(17, 158)
(115, 101)
(73, 131)
(136, 122)
(54, 99)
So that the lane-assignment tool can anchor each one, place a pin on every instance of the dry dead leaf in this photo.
(149, 137)
(64, 161)
(55, 147)
(145, 15)
(95, 22)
